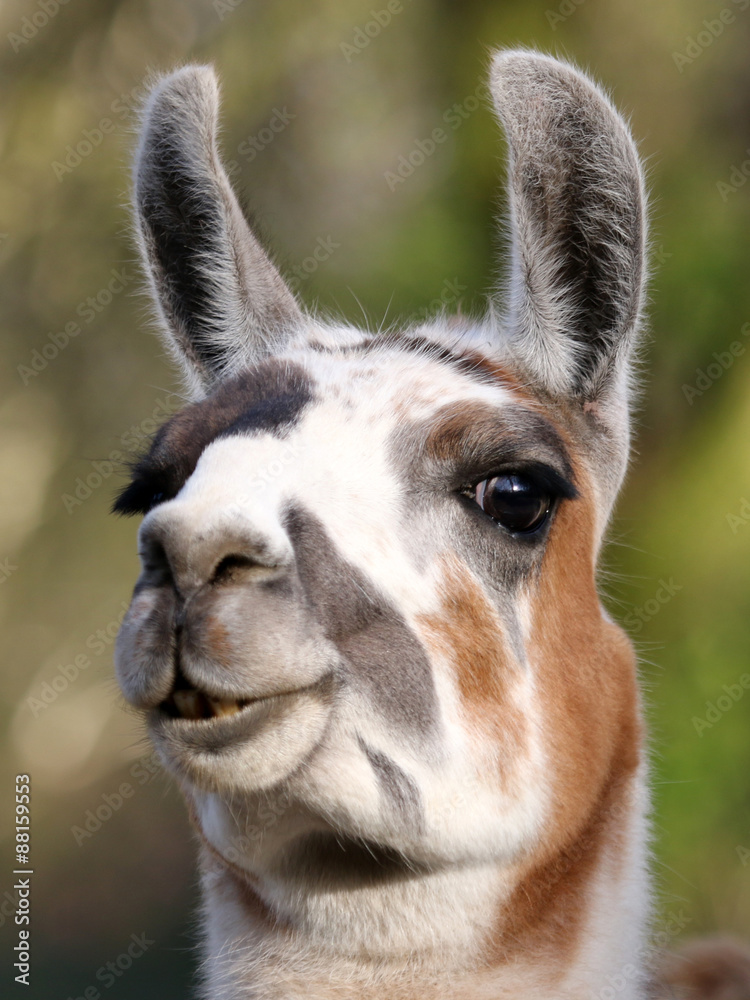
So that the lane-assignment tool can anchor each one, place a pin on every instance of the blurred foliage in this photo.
(72, 76)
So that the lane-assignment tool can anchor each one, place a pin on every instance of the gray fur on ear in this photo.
(221, 300)
(578, 226)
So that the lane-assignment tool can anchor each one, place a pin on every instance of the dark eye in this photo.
(515, 501)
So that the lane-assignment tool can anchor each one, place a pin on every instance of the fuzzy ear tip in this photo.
(187, 86)
(178, 118)
(512, 60)
(524, 81)
(192, 74)
(509, 65)
(517, 57)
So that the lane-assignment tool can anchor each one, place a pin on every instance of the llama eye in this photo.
(515, 501)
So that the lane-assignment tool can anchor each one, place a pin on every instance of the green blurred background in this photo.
(320, 103)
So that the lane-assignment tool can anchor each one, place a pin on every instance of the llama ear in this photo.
(221, 300)
(578, 226)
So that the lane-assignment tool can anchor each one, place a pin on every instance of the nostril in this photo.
(187, 548)
(232, 567)
(155, 562)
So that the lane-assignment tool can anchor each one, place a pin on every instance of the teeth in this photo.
(223, 707)
(188, 703)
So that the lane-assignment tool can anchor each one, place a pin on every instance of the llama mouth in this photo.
(188, 702)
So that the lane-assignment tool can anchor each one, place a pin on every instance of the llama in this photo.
(367, 638)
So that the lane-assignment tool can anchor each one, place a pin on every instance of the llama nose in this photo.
(192, 548)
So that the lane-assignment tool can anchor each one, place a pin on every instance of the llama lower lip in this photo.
(216, 732)
(251, 749)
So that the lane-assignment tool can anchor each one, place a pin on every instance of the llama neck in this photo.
(566, 926)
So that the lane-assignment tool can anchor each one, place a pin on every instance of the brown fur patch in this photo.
(588, 703)
(481, 432)
(467, 630)
(217, 640)
(481, 364)
(453, 424)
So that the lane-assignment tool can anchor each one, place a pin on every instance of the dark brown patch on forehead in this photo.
(383, 658)
(269, 398)
(476, 432)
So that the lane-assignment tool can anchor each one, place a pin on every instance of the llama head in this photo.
(367, 637)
